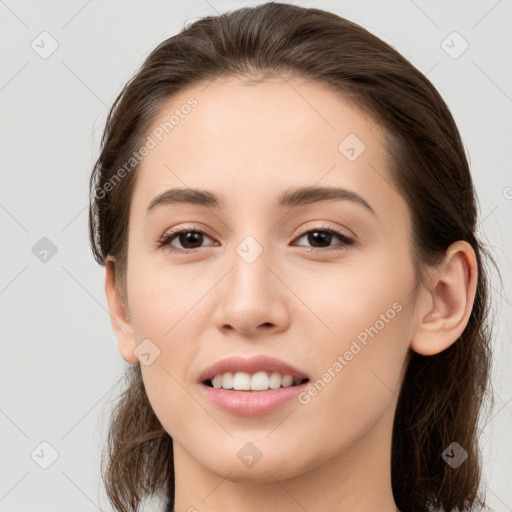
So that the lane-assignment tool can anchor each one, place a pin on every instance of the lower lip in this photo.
(251, 403)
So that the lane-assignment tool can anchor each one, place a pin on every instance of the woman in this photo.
(288, 223)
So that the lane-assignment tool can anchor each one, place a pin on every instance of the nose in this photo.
(251, 299)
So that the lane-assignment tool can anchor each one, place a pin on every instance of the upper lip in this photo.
(250, 365)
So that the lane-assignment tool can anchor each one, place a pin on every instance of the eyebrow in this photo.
(287, 199)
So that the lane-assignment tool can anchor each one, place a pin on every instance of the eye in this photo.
(190, 239)
(325, 236)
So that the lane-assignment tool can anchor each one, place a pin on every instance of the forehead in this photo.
(241, 116)
(258, 139)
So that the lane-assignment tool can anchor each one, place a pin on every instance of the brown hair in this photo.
(441, 395)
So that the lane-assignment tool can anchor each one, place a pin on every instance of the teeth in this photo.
(259, 381)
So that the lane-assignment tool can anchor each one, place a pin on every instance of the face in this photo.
(323, 283)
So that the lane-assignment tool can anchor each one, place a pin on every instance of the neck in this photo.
(358, 479)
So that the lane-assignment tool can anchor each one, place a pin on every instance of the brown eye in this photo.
(189, 239)
(321, 239)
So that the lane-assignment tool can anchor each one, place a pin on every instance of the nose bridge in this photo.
(250, 297)
(250, 249)
(251, 262)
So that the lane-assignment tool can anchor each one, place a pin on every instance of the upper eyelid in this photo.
(302, 231)
(186, 229)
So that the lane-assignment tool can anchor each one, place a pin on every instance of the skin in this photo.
(248, 143)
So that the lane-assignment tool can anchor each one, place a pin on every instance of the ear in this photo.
(446, 300)
(119, 314)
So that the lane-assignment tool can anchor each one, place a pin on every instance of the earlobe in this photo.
(447, 299)
(119, 314)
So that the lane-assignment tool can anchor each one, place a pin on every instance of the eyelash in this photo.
(167, 238)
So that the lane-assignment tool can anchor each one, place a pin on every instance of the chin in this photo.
(261, 473)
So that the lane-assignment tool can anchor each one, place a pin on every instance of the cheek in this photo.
(365, 322)
(162, 297)
(356, 384)
(166, 308)
(357, 298)
(170, 400)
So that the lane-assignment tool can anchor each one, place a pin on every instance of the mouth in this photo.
(250, 386)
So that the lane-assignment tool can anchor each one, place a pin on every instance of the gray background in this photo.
(60, 365)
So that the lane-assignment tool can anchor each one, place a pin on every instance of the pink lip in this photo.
(250, 365)
(251, 403)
